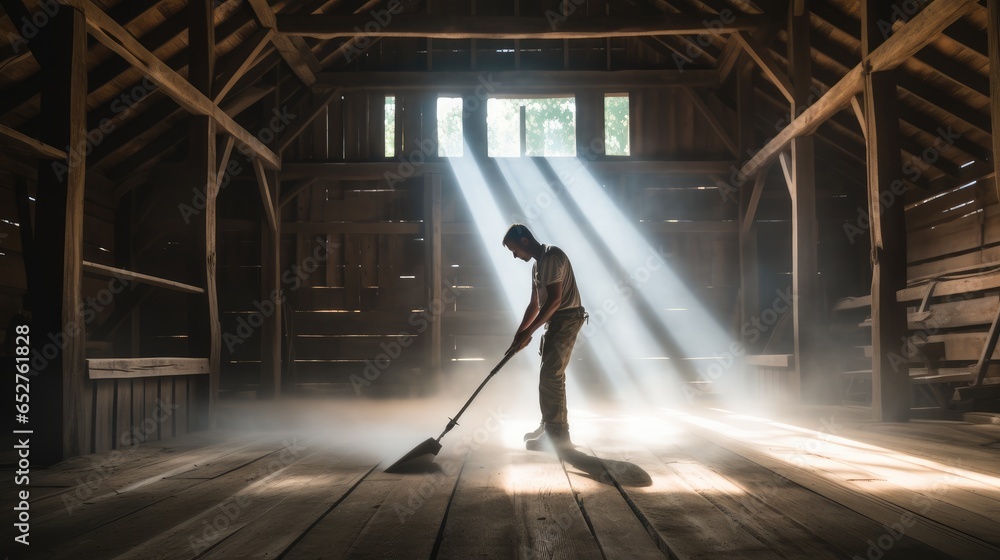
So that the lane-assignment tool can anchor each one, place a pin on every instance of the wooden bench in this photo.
(769, 374)
(952, 356)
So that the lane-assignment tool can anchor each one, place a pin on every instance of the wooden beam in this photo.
(265, 195)
(204, 330)
(119, 40)
(713, 121)
(746, 111)
(289, 194)
(763, 58)
(890, 376)
(807, 380)
(304, 120)
(237, 63)
(518, 80)
(112, 272)
(153, 151)
(728, 58)
(360, 171)
(433, 266)
(22, 144)
(786, 170)
(993, 31)
(510, 27)
(270, 285)
(857, 103)
(61, 416)
(131, 368)
(339, 228)
(298, 57)
(223, 159)
(910, 38)
(754, 202)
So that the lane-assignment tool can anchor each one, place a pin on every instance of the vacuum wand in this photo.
(452, 422)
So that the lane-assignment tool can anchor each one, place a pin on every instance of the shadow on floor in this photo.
(607, 471)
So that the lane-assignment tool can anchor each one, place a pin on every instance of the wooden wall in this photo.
(122, 412)
(362, 302)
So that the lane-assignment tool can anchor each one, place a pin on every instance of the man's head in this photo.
(521, 243)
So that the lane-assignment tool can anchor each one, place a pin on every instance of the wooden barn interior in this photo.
(250, 254)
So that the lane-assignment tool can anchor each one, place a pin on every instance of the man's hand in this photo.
(521, 340)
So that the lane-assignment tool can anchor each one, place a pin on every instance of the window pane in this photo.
(390, 126)
(449, 117)
(616, 136)
(549, 128)
(503, 126)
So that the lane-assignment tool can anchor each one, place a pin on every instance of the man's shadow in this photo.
(607, 471)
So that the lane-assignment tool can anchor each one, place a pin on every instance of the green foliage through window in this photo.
(616, 125)
(449, 117)
(549, 126)
(390, 126)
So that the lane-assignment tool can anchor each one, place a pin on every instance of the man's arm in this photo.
(530, 313)
(553, 297)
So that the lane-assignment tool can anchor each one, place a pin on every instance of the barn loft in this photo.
(253, 251)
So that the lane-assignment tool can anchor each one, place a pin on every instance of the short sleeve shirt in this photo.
(554, 266)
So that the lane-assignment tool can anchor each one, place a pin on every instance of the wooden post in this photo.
(270, 284)
(749, 275)
(890, 375)
(993, 33)
(61, 417)
(805, 292)
(433, 264)
(206, 335)
(474, 124)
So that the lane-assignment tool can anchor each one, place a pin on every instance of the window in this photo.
(449, 117)
(390, 126)
(544, 126)
(616, 134)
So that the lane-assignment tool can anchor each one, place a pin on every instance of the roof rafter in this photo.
(507, 27)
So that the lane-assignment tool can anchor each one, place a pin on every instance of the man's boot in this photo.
(556, 435)
(536, 433)
(559, 437)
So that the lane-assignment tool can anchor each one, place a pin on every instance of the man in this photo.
(555, 302)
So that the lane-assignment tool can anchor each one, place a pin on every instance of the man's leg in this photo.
(556, 352)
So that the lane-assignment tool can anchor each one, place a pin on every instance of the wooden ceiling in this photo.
(266, 52)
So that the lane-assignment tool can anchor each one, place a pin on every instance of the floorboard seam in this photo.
(583, 510)
(659, 542)
(325, 513)
(444, 519)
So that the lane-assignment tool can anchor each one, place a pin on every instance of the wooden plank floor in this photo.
(824, 484)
